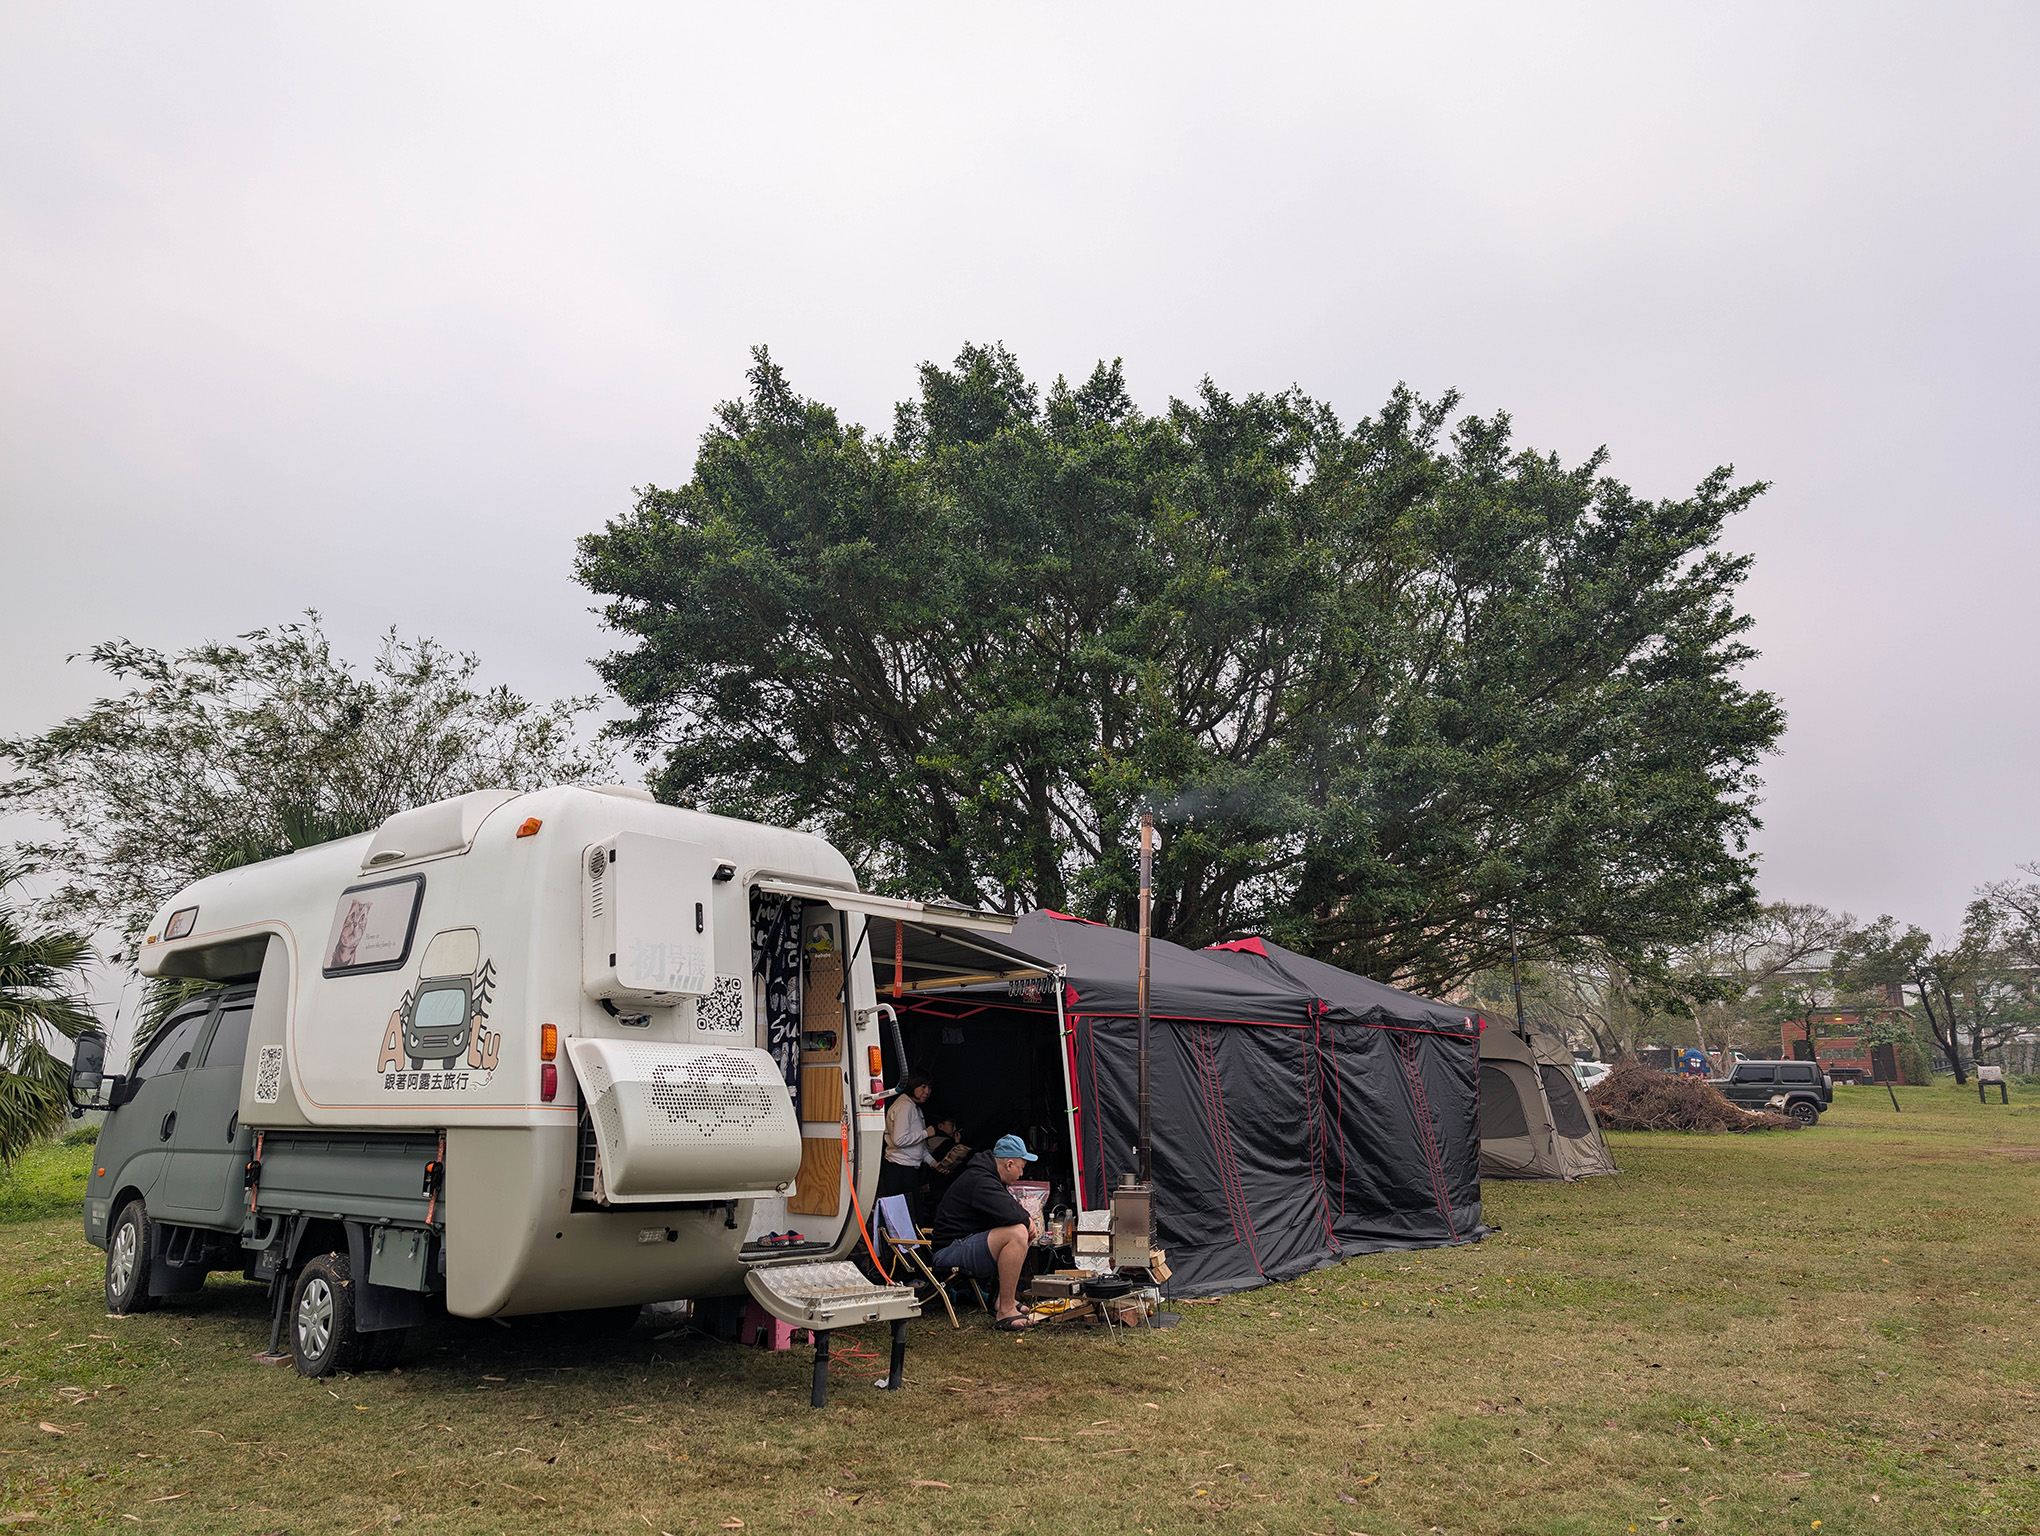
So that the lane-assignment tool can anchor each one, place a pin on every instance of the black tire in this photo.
(128, 1264)
(323, 1338)
(1805, 1111)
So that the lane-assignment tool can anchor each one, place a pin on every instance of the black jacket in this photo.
(977, 1202)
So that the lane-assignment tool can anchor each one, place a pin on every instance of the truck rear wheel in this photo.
(127, 1260)
(1805, 1111)
(323, 1338)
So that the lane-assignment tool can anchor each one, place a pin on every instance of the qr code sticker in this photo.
(722, 1011)
(269, 1074)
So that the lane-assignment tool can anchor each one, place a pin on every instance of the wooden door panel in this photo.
(817, 1188)
(821, 1094)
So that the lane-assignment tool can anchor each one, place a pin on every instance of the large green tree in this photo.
(1384, 682)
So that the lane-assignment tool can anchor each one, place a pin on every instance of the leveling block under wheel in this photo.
(820, 1297)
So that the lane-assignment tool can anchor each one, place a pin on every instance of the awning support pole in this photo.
(1145, 1147)
(1062, 1050)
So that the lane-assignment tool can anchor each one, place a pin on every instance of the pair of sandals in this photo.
(1019, 1322)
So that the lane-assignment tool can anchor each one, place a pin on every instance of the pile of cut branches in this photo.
(1639, 1098)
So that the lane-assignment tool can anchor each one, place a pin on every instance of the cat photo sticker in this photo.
(372, 926)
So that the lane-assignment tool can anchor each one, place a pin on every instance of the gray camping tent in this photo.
(1535, 1123)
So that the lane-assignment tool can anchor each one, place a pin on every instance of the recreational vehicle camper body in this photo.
(511, 1053)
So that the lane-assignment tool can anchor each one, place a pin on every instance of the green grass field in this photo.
(1828, 1330)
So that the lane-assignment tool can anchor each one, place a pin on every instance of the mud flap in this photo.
(379, 1308)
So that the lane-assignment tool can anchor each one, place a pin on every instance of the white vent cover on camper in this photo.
(686, 1122)
(647, 919)
(432, 831)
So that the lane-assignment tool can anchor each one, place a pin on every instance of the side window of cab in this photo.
(229, 1044)
(1749, 1073)
(171, 1050)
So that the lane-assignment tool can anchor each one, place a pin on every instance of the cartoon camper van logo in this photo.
(442, 1021)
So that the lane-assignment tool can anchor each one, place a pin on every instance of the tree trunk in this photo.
(1949, 1038)
(1048, 882)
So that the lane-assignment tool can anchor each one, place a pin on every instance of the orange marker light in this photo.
(529, 827)
(877, 1058)
(548, 1041)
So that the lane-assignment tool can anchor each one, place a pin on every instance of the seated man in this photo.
(983, 1231)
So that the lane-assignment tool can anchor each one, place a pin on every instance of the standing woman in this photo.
(906, 1139)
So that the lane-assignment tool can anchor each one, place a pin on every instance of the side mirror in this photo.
(88, 1066)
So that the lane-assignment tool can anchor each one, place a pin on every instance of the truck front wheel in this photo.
(322, 1333)
(127, 1261)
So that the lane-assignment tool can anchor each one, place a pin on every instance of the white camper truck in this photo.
(511, 1053)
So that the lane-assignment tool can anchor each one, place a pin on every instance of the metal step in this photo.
(828, 1295)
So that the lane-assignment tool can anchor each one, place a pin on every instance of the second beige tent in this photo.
(1535, 1122)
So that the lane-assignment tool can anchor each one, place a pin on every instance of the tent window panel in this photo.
(1501, 1109)
(1564, 1092)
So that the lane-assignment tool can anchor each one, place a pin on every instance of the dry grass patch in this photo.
(1738, 1334)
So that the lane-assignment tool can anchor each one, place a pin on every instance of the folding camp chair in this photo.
(915, 1249)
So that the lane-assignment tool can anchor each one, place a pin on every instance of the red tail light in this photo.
(549, 1082)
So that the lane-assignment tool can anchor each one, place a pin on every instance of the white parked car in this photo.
(1590, 1073)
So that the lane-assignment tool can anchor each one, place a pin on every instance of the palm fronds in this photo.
(39, 1000)
(161, 997)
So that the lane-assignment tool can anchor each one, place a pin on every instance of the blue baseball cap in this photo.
(1012, 1146)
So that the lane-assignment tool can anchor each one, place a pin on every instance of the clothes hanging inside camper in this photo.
(775, 957)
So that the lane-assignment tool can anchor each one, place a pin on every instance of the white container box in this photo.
(647, 920)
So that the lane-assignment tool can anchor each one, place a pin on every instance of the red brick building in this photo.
(1833, 1037)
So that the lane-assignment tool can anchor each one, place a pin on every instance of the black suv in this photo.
(1807, 1090)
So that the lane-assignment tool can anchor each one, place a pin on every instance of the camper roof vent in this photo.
(429, 831)
(625, 792)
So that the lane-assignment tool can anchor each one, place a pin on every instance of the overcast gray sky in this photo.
(374, 308)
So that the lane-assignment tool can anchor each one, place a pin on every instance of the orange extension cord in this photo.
(858, 1205)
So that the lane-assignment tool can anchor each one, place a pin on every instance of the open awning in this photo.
(933, 945)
